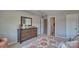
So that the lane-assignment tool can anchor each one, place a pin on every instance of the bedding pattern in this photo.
(47, 42)
(54, 42)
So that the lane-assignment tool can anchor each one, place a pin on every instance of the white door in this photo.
(71, 25)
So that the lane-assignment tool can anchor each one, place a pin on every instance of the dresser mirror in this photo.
(27, 21)
(26, 30)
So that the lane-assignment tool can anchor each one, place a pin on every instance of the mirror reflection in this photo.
(26, 20)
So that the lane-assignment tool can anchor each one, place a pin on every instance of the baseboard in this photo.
(12, 43)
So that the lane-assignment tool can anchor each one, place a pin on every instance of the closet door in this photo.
(71, 25)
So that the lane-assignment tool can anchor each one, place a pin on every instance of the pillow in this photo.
(77, 38)
(62, 45)
(73, 44)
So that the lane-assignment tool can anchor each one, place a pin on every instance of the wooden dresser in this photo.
(25, 34)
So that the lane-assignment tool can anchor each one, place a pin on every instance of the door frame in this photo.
(46, 26)
(55, 25)
(68, 35)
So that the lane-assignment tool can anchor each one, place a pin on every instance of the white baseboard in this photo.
(10, 43)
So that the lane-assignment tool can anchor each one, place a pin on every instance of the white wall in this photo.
(42, 26)
(60, 29)
(9, 22)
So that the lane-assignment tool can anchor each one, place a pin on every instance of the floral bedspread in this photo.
(46, 42)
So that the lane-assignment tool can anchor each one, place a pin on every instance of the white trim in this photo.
(12, 43)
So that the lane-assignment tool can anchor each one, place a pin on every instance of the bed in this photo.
(45, 41)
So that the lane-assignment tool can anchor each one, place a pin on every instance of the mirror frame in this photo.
(26, 18)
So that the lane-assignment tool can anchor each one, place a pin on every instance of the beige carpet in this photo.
(23, 45)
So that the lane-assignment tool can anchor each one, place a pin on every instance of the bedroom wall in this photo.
(60, 29)
(9, 22)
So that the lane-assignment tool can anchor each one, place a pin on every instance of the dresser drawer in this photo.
(25, 34)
